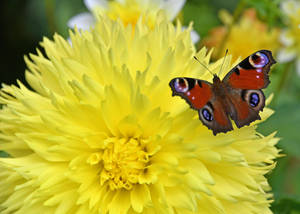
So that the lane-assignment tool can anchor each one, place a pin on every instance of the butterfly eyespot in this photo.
(254, 99)
(207, 115)
(181, 85)
(258, 60)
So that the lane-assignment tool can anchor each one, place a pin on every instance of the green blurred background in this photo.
(25, 22)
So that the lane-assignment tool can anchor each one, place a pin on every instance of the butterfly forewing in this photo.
(196, 92)
(252, 72)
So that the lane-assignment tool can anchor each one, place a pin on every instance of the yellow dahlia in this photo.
(101, 133)
(246, 36)
(290, 37)
(129, 12)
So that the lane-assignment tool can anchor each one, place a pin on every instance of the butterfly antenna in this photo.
(223, 62)
(204, 66)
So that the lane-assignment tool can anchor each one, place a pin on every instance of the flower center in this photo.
(124, 161)
(130, 12)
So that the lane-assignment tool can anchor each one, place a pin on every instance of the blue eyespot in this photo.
(254, 99)
(207, 115)
(259, 60)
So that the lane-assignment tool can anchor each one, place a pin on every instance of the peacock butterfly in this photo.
(238, 96)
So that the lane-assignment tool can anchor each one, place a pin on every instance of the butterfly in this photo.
(237, 96)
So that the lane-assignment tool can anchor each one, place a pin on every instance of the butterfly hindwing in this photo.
(215, 116)
(246, 105)
(252, 72)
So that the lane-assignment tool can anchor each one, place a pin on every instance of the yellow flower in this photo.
(247, 36)
(129, 12)
(101, 133)
(290, 37)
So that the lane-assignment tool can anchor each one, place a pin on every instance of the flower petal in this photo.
(289, 7)
(140, 196)
(180, 197)
(82, 21)
(92, 4)
(194, 35)
(120, 203)
(173, 7)
(286, 39)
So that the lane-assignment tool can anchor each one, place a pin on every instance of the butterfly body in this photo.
(237, 97)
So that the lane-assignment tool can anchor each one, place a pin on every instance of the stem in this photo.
(237, 12)
(50, 8)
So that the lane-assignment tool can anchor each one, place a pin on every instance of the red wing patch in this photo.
(199, 96)
(248, 79)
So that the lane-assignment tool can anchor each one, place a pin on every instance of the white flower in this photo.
(128, 11)
(290, 37)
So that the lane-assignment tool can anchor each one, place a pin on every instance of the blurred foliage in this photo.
(268, 10)
(287, 205)
(25, 23)
(204, 15)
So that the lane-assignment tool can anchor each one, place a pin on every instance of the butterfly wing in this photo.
(195, 92)
(246, 105)
(199, 95)
(244, 83)
(252, 72)
(215, 116)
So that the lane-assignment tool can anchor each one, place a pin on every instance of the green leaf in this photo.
(287, 205)
(3, 154)
(204, 16)
(64, 10)
(278, 177)
(296, 180)
(286, 122)
(284, 179)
